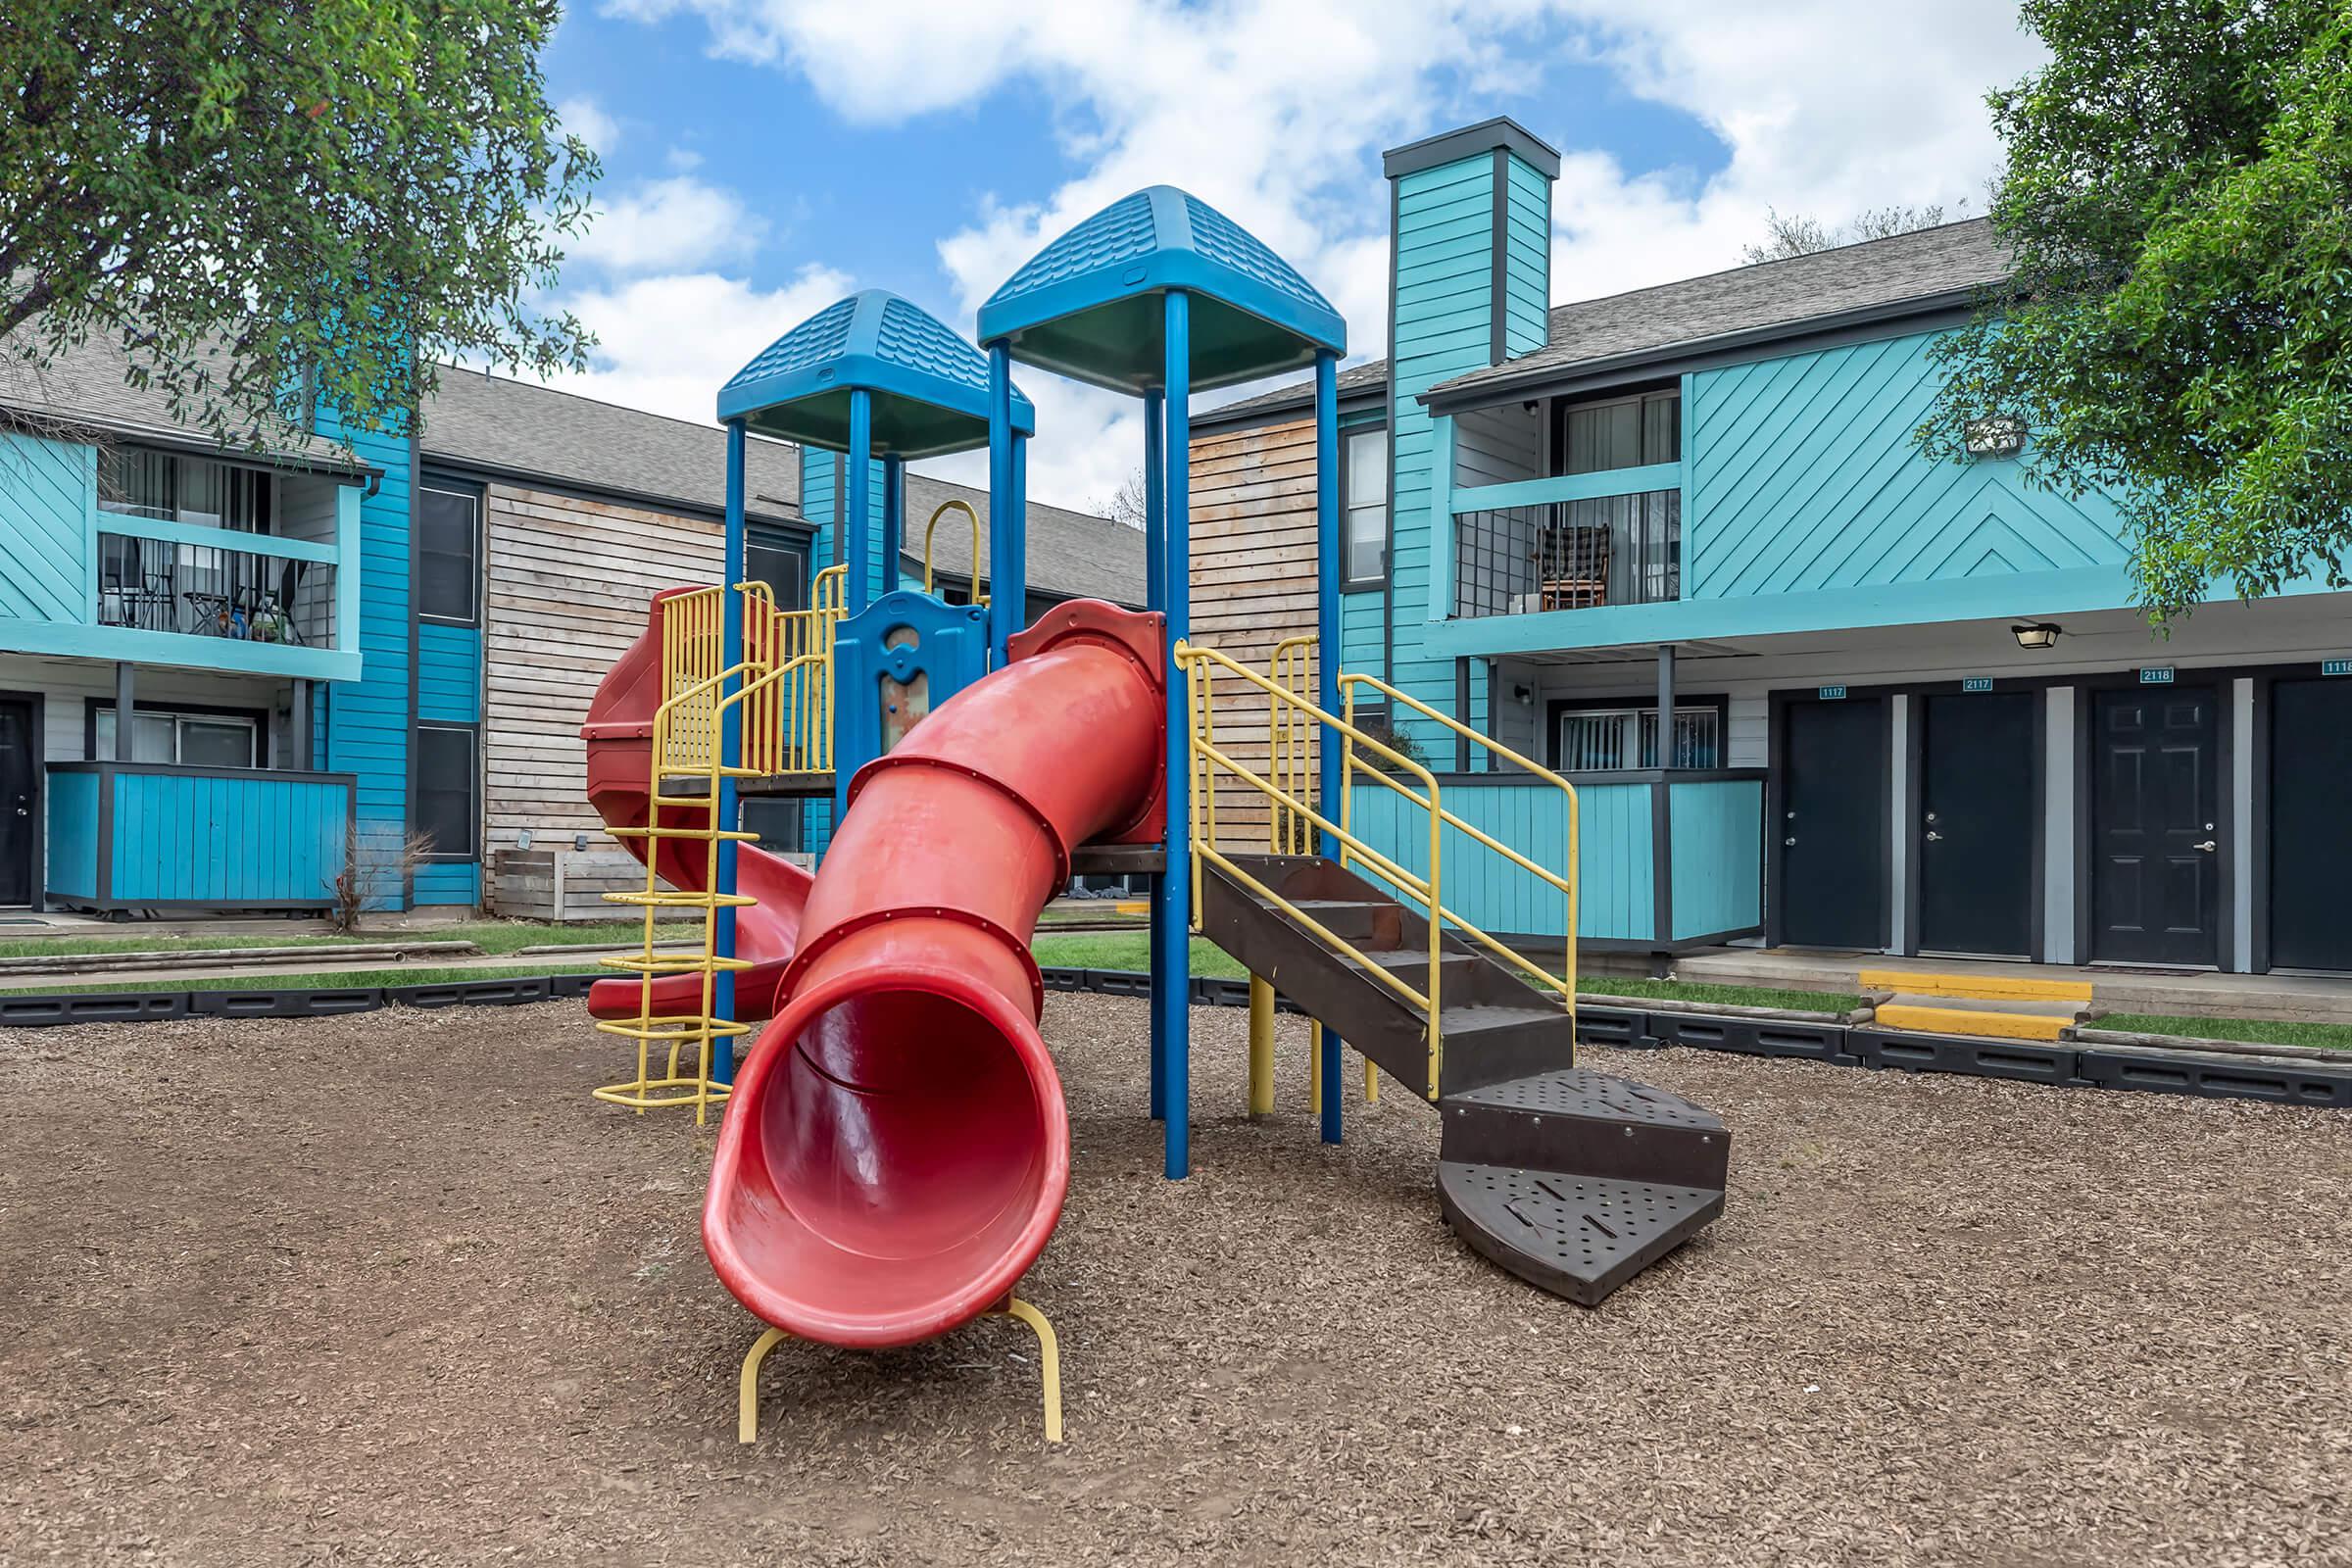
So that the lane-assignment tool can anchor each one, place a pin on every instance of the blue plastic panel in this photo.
(902, 638)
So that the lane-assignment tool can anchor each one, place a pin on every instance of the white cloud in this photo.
(1275, 110)
(668, 344)
(586, 120)
(668, 225)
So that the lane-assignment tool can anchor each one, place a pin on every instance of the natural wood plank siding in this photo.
(569, 583)
(1252, 583)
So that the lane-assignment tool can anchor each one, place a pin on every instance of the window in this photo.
(780, 561)
(776, 822)
(1627, 433)
(449, 569)
(448, 786)
(133, 481)
(1364, 501)
(1600, 739)
(195, 738)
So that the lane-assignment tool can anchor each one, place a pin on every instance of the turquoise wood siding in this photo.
(368, 720)
(247, 840)
(1443, 328)
(1717, 841)
(449, 691)
(449, 673)
(48, 495)
(1803, 477)
(147, 837)
(72, 869)
(1527, 258)
(1615, 890)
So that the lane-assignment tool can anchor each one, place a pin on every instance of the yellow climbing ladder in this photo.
(783, 697)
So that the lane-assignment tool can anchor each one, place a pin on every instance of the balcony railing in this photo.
(260, 589)
(1576, 541)
(1569, 555)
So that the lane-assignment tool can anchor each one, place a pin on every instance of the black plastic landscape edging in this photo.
(49, 1011)
(2059, 1064)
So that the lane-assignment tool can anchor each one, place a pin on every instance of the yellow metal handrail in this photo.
(979, 594)
(1565, 983)
(1289, 736)
(1201, 666)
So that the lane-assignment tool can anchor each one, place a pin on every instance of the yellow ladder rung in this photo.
(681, 901)
(670, 962)
(693, 1027)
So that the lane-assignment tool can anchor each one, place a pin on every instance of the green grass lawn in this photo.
(327, 980)
(1617, 985)
(1123, 949)
(491, 936)
(2262, 1031)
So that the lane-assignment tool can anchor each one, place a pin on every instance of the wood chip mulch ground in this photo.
(391, 1289)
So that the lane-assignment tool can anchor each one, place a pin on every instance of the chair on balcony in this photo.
(1572, 565)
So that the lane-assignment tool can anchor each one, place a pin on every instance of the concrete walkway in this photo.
(2312, 997)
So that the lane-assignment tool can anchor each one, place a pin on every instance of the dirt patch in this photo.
(392, 1289)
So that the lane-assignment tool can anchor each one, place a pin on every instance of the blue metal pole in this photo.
(1155, 597)
(1003, 615)
(894, 520)
(1172, 960)
(1016, 572)
(1327, 658)
(856, 515)
(730, 752)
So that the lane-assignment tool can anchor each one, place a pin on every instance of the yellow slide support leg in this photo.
(1314, 1070)
(1049, 1348)
(1262, 1046)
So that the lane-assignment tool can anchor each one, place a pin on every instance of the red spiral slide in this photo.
(620, 733)
(896, 1151)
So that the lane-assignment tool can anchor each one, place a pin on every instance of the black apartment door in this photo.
(1978, 801)
(2156, 826)
(19, 756)
(2311, 824)
(1833, 849)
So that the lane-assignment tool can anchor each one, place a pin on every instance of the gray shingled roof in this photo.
(86, 389)
(1926, 263)
(1355, 378)
(524, 429)
(520, 428)
(1070, 553)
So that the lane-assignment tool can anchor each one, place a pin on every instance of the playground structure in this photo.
(894, 1151)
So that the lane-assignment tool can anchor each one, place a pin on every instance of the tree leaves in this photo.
(313, 197)
(2178, 328)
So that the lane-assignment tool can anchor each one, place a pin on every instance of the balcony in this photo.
(1569, 555)
(260, 590)
(153, 836)
(228, 568)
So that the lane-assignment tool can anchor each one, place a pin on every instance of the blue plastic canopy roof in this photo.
(1087, 306)
(929, 387)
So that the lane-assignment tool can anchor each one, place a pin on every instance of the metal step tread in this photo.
(1576, 1092)
(1473, 1016)
(1579, 1236)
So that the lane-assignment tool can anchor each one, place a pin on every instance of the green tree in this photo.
(257, 195)
(2178, 328)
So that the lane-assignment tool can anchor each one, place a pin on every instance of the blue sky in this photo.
(763, 157)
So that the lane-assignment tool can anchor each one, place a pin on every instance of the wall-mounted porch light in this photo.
(1996, 435)
(2036, 634)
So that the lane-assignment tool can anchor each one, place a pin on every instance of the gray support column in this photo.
(126, 707)
(1665, 706)
(2058, 828)
(1463, 714)
(1898, 816)
(2239, 819)
(299, 743)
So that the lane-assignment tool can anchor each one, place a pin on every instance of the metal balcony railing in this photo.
(150, 584)
(1569, 555)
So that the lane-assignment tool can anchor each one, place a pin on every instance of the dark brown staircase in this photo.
(1574, 1181)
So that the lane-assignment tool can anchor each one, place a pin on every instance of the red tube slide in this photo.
(620, 733)
(896, 1151)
